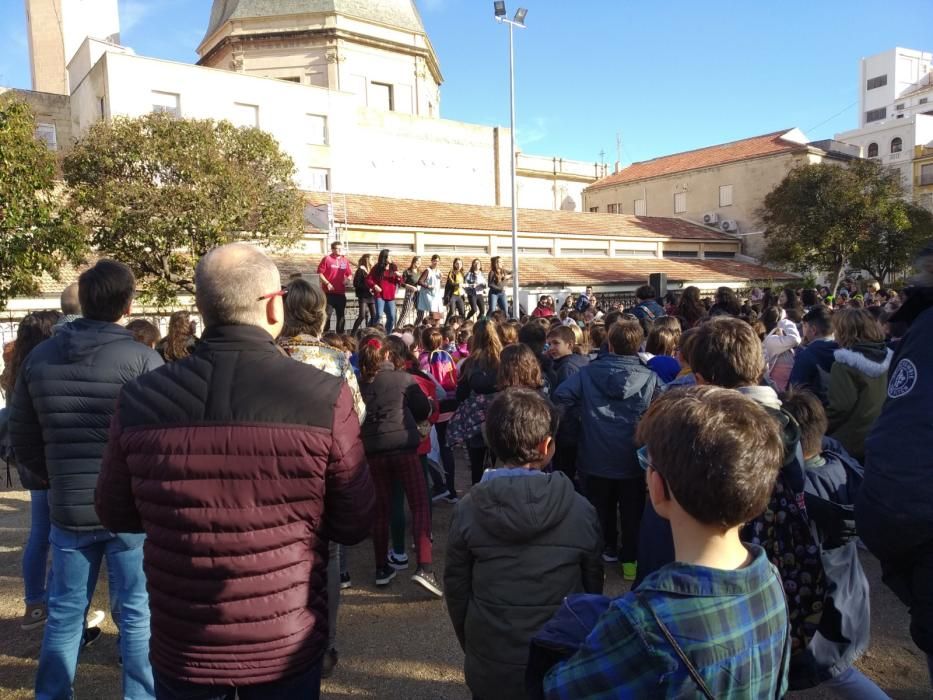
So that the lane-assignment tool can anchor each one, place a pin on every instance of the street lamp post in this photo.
(517, 21)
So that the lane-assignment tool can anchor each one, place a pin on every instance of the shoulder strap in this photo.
(691, 669)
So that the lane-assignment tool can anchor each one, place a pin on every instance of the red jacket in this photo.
(429, 388)
(239, 464)
(389, 284)
(542, 312)
(336, 270)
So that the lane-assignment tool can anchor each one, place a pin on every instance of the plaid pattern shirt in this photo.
(732, 625)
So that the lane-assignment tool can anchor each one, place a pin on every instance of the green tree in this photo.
(158, 192)
(37, 233)
(892, 249)
(821, 215)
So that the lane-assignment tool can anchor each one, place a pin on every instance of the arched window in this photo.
(896, 145)
(873, 150)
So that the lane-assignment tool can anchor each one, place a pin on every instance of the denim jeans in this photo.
(36, 551)
(497, 301)
(76, 558)
(852, 683)
(305, 686)
(387, 306)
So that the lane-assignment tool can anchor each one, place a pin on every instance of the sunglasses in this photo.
(272, 295)
(643, 460)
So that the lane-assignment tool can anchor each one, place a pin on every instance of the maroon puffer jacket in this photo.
(239, 464)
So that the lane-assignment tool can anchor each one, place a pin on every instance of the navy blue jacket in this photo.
(812, 366)
(898, 458)
(649, 309)
(567, 366)
(610, 394)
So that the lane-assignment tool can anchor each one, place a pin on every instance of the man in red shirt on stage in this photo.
(335, 270)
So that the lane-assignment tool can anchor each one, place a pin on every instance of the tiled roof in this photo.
(767, 144)
(365, 210)
(560, 272)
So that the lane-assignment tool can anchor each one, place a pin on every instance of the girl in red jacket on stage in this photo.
(384, 280)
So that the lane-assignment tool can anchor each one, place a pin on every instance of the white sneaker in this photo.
(95, 617)
(399, 562)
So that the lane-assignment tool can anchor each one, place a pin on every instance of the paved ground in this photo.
(394, 643)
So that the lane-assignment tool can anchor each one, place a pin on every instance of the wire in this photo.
(837, 114)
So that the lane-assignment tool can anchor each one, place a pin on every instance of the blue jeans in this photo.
(388, 307)
(305, 686)
(497, 301)
(76, 558)
(852, 683)
(36, 551)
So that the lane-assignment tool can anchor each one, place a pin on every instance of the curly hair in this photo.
(177, 344)
(33, 329)
(518, 367)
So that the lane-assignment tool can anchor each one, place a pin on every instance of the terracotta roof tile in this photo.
(365, 210)
(767, 144)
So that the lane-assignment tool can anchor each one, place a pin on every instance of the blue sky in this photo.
(668, 76)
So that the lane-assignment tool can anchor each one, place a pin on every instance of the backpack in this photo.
(441, 366)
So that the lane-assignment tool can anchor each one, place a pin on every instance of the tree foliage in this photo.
(825, 217)
(37, 233)
(158, 192)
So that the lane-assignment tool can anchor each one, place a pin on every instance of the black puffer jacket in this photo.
(395, 405)
(517, 546)
(65, 395)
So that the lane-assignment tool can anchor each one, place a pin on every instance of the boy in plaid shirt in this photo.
(713, 623)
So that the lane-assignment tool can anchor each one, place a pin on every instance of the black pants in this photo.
(477, 462)
(565, 460)
(455, 307)
(477, 303)
(306, 686)
(366, 315)
(627, 496)
(338, 304)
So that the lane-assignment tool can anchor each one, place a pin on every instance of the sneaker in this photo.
(610, 557)
(440, 495)
(427, 580)
(345, 581)
(629, 570)
(329, 663)
(451, 498)
(384, 575)
(399, 562)
(91, 635)
(35, 616)
(95, 618)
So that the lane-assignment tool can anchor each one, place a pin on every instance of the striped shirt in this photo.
(732, 625)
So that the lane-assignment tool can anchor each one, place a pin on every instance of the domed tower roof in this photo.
(401, 14)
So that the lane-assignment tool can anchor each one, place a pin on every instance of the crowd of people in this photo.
(728, 455)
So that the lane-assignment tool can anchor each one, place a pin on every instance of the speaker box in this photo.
(658, 282)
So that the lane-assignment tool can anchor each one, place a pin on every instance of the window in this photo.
(874, 115)
(634, 253)
(681, 253)
(103, 112)
(168, 102)
(725, 195)
(360, 247)
(292, 79)
(584, 251)
(317, 129)
(926, 174)
(613, 209)
(878, 82)
(319, 179)
(719, 254)
(463, 250)
(896, 144)
(245, 115)
(381, 96)
(899, 107)
(923, 101)
(680, 202)
(640, 207)
(594, 210)
(46, 132)
(873, 150)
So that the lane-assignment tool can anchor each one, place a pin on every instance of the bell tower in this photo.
(56, 30)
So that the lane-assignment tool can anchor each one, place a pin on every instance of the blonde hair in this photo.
(851, 326)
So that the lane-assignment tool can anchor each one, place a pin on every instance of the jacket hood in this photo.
(871, 359)
(518, 508)
(619, 376)
(82, 338)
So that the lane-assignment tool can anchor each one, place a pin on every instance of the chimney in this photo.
(618, 167)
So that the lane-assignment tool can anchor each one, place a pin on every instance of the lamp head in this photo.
(520, 16)
(499, 6)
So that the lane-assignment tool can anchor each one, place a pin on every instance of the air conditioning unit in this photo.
(729, 225)
(711, 218)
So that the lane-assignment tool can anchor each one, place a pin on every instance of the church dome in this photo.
(400, 14)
